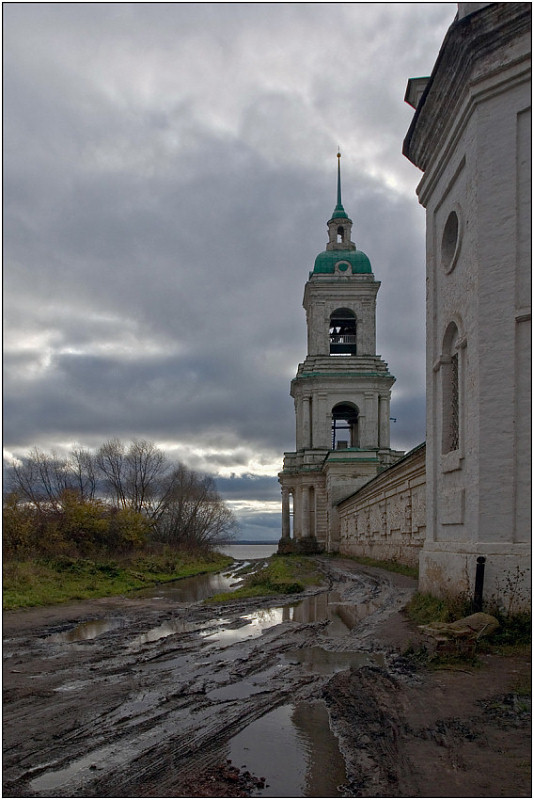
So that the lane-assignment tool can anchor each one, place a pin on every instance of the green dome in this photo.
(327, 260)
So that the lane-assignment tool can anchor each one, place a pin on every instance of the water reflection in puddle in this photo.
(294, 749)
(321, 607)
(342, 616)
(81, 768)
(83, 631)
(219, 631)
(317, 608)
(168, 628)
(352, 613)
(254, 625)
(326, 662)
(191, 590)
(325, 606)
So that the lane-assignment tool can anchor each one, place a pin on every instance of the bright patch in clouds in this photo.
(255, 506)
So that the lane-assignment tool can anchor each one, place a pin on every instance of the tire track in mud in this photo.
(105, 718)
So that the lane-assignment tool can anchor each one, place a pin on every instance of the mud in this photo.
(165, 697)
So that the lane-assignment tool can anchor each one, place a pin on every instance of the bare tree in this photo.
(145, 470)
(110, 462)
(42, 478)
(183, 507)
(24, 480)
(194, 514)
(83, 467)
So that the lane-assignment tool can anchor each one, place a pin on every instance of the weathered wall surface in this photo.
(471, 137)
(386, 518)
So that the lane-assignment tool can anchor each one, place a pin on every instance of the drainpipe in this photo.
(479, 584)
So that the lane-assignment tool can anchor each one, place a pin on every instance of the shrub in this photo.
(76, 527)
(19, 528)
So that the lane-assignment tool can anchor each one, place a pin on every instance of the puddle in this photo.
(320, 607)
(168, 628)
(218, 630)
(83, 631)
(254, 625)
(352, 613)
(294, 749)
(81, 769)
(327, 662)
(190, 590)
(316, 608)
(75, 686)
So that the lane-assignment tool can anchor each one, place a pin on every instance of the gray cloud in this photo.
(168, 173)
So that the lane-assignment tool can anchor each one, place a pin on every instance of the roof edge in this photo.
(401, 460)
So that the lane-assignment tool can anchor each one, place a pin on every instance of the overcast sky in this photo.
(169, 170)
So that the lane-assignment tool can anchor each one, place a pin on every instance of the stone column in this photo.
(305, 511)
(312, 514)
(363, 425)
(321, 434)
(297, 512)
(383, 431)
(370, 431)
(318, 343)
(286, 525)
(306, 422)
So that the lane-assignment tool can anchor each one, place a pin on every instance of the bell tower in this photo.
(341, 394)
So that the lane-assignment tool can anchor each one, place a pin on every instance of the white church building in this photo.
(349, 492)
(471, 137)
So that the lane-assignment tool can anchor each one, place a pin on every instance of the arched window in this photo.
(450, 383)
(344, 426)
(342, 332)
(340, 235)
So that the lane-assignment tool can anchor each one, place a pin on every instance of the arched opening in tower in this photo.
(344, 426)
(342, 332)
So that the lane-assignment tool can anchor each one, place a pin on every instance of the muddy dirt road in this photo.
(164, 697)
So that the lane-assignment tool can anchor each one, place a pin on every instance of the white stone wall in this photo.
(471, 136)
(386, 519)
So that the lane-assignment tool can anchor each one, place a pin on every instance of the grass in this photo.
(282, 575)
(391, 566)
(43, 582)
(425, 608)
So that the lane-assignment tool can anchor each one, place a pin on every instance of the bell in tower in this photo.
(341, 393)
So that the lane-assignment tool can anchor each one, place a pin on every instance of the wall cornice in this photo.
(469, 62)
(411, 463)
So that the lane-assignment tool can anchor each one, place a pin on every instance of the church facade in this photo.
(341, 393)
(471, 137)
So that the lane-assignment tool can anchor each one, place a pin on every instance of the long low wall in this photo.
(386, 518)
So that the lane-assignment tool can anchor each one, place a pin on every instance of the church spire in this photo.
(339, 211)
(339, 226)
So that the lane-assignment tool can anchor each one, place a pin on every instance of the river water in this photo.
(247, 552)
